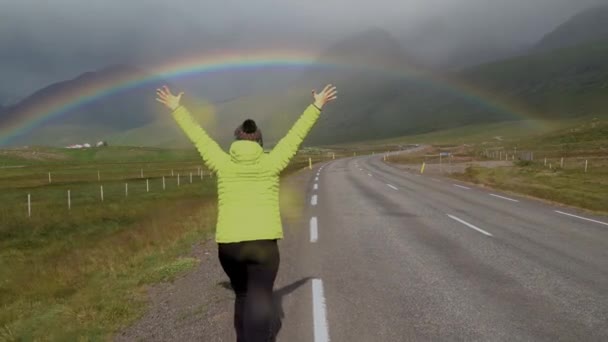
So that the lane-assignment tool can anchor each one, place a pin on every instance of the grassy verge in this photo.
(81, 276)
(552, 165)
(571, 187)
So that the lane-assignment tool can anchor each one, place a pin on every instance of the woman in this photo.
(249, 221)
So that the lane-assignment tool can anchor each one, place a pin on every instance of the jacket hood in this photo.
(245, 152)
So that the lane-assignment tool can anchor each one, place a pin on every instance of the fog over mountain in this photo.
(45, 42)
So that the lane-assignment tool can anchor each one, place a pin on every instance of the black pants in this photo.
(252, 267)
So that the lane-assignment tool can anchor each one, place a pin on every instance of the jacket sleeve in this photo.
(287, 147)
(213, 155)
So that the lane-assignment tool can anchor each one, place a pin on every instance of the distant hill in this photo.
(564, 83)
(555, 84)
(123, 110)
(588, 26)
(558, 84)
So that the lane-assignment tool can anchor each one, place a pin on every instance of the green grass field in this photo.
(570, 186)
(80, 274)
(576, 140)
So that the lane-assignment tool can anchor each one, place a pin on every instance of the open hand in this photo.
(328, 94)
(167, 98)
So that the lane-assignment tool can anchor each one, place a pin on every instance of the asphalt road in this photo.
(385, 255)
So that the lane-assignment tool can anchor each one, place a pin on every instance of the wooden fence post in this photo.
(586, 165)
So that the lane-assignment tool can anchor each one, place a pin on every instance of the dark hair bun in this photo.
(249, 126)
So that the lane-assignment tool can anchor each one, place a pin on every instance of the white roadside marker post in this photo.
(586, 163)
(147, 185)
(69, 201)
(126, 189)
(163, 182)
(29, 205)
(50, 178)
(178, 179)
(101, 192)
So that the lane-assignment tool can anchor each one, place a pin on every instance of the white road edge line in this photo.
(313, 200)
(582, 218)
(392, 187)
(314, 230)
(369, 174)
(463, 187)
(469, 225)
(321, 331)
(505, 198)
(316, 187)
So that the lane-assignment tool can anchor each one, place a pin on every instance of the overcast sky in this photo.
(43, 41)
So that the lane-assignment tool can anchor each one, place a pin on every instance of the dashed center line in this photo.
(462, 187)
(316, 186)
(392, 187)
(321, 331)
(369, 174)
(505, 198)
(582, 218)
(469, 225)
(313, 200)
(314, 230)
(317, 179)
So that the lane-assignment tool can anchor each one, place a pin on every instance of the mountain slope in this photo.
(126, 109)
(382, 93)
(561, 83)
(588, 26)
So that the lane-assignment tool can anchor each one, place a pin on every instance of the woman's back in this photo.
(248, 193)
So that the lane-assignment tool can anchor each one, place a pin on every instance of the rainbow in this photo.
(36, 115)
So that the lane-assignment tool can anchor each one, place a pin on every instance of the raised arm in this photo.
(213, 155)
(287, 147)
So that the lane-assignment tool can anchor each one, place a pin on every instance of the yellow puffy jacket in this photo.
(248, 178)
